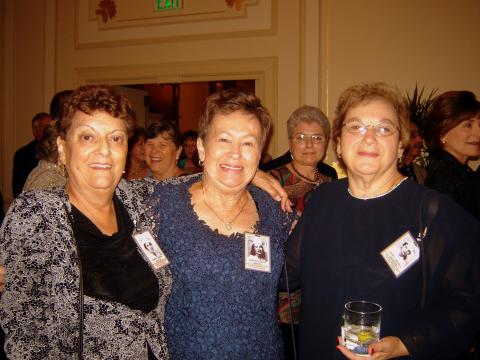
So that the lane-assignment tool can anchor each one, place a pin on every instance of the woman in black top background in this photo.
(453, 137)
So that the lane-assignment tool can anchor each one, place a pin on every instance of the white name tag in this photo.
(257, 252)
(150, 249)
(402, 254)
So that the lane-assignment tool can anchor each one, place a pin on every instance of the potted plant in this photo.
(419, 103)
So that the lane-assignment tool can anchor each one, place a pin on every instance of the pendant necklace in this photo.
(314, 181)
(227, 224)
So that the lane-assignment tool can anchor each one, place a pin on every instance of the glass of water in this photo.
(361, 325)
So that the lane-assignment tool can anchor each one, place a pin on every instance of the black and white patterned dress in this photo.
(40, 306)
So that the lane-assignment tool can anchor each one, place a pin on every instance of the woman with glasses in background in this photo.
(308, 132)
(349, 240)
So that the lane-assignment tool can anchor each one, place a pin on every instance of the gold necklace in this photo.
(227, 224)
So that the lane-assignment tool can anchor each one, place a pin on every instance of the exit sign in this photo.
(161, 5)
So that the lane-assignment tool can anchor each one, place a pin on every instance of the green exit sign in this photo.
(161, 5)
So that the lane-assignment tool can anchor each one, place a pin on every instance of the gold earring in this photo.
(61, 167)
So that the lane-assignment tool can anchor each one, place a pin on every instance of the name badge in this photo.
(150, 249)
(257, 252)
(402, 254)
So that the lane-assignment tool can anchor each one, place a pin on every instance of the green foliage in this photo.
(418, 105)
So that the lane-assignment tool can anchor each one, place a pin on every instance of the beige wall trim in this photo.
(323, 49)
(156, 40)
(2, 90)
(50, 51)
(263, 70)
(309, 52)
(302, 51)
(323, 80)
(8, 106)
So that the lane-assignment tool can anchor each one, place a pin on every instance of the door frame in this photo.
(263, 70)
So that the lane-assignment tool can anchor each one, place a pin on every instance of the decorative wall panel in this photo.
(109, 22)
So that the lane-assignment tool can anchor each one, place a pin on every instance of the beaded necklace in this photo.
(314, 181)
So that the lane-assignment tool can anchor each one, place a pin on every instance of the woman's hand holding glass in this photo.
(389, 347)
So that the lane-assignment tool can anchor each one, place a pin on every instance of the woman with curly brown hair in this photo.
(76, 284)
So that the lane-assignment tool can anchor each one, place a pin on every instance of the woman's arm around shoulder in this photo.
(272, 187)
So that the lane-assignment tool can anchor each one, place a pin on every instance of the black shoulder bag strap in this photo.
(432, 207)
(290, 314)
(287, 286)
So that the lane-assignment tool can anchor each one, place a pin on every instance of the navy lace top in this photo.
(217, 309)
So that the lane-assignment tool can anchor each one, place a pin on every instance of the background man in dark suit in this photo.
(24, 159)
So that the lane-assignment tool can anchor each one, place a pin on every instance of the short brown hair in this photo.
(165, 126)
(95, 98)
(364, 93)
(229, 101)
(37, 117)
(446, 112)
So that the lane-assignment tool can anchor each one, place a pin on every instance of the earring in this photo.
(339, 155)
(61, 167)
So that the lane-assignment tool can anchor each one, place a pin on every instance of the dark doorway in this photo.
(181, 102)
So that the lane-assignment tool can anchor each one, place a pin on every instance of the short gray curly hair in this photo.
(308, 114)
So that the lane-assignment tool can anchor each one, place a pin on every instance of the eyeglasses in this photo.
(381, 129)
(304, 138)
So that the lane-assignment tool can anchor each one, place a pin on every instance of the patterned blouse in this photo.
(298, 192)
(297, 189)
(44, 176)
(40, 306)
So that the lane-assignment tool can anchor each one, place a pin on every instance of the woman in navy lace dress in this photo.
(223, 303)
